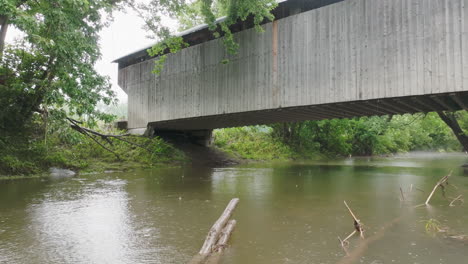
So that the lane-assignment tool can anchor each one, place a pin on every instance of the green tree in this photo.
(51, 69)
(191, 13)
(459, 128)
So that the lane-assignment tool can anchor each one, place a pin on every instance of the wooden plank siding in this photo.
(351, 51)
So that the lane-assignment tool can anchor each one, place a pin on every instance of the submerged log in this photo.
(218, 235)
(222, 243)
(216, 229)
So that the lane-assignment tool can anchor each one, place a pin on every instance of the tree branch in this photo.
(76, 125)
(4, 23)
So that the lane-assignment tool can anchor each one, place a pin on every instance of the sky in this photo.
(124, 35)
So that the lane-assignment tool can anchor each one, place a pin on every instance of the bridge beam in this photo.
(461, 103)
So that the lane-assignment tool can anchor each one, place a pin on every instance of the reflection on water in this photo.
(289, 213)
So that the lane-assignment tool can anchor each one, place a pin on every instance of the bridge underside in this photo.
(380, 107)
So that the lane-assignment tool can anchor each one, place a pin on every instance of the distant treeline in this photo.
(342, 137)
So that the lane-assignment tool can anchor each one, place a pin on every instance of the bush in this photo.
(255, 143)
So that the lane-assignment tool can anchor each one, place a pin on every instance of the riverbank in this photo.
(29, 157)
(34, 152)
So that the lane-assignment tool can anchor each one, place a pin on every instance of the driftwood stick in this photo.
(402, 195)
(216, 231)
(215, 258)
(349, 236)
(357, 222)
(439, 183)
(357, 252)
(344, 245)
(456, 199)
(225, 235)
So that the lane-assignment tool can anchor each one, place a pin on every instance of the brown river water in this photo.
(288, 213)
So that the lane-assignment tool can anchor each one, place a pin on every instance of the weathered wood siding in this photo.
(350, 51)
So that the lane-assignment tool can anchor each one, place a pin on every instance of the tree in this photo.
(191, 13)
(450, 118)
(50, 69)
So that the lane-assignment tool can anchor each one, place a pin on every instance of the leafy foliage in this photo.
(344, 137)
(51, 69)
(196, 12)
(63, 147)
(254, 143)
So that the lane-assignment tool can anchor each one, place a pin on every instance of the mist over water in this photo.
(288, 213)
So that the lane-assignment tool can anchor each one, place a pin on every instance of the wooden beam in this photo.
(398, 106)
(392, 106)
(368, 108)
(427, 102)
(458, 101)
(387, 111)
(411, 106)
(351, 110)
(440, 101)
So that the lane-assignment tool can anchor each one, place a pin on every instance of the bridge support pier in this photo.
(199, 137)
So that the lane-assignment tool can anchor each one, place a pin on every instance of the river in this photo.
(288, 213)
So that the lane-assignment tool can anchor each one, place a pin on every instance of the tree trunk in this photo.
(451, 121)
(3, 31)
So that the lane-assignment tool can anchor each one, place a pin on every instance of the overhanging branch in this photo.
(94, 135)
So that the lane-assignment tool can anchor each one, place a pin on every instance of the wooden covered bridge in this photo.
(319, 59)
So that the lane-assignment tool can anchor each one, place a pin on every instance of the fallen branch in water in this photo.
(344, 245)
(357, 252)
(222, 243)
(401, 192)
(458, 198)
(357, 228)
(357, 222)
(217, 237)
(438, 184)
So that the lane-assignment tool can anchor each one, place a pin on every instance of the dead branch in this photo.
(357, 223)
(222, 243)
(76, 125)
(438, 184)
(419, 190)
(220, 231)
(344, 245)
(81, 130)
(349, 236)
(215, 230)
(401, 192)
(354, 255)
(456, 199)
